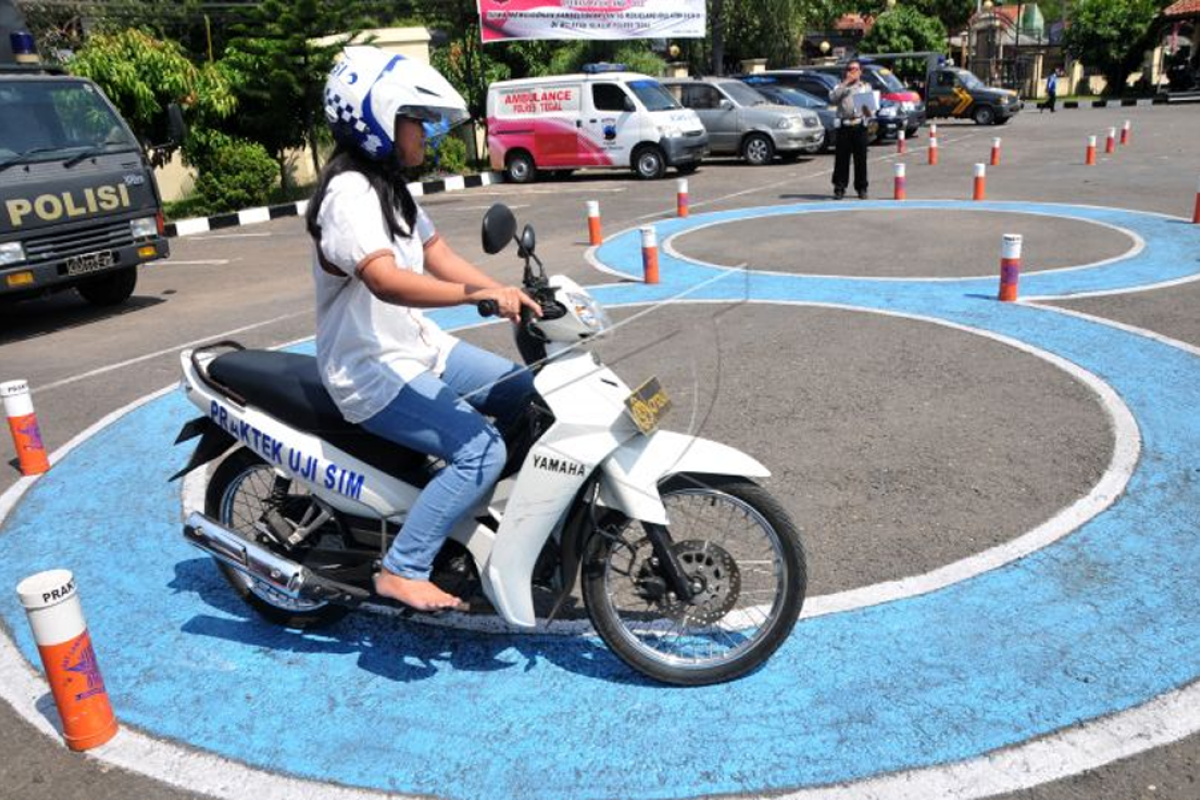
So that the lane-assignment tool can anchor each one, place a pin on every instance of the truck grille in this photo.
(102, 236)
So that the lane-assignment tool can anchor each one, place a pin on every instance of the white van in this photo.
(606, 117)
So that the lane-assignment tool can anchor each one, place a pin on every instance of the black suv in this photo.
(891, 117)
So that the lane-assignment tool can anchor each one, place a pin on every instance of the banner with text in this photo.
(504, 20)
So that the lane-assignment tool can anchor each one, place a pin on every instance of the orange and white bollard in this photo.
(933, 149)
(1110, 143)
(996, 152)
(901, 143)
(1196, 213)
(900, 190)
(593, 215)
(649, 254)
(980, 182)
(1090, 158)
(22, 422)
(933, 129)
(681, 197)
(1125, 129)
(56, 617)
(1010, 266)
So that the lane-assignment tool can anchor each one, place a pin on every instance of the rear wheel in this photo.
(758, 149)
(521, 168)
(240, 492)
(741, 553)
(111, 288)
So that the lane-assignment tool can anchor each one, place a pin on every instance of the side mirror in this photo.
(725, 104)
(528, 241)
(177, 129)
(499, 227)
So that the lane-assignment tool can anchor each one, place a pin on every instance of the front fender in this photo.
(629, 477)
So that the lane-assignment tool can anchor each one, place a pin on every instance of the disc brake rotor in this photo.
(716, 583)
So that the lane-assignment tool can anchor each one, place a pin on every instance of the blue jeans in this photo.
(431, 415)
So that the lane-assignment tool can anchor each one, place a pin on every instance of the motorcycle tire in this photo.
(721, 566)
(246, 477)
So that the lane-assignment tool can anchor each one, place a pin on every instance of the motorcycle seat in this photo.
(288, 387)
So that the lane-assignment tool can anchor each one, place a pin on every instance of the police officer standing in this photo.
(851, 133)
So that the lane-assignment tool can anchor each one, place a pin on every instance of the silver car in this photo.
(740, 121)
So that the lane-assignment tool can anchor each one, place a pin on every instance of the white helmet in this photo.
(369, 88)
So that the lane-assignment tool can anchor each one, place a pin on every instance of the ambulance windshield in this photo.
(51, 119)
(654, 95)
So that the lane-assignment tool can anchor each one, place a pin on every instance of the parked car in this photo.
(890, 89)
(788, 96)
(892, 118)
(740, 121)
(955, 92)
(606, 117)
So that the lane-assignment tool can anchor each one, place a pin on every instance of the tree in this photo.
(904, 29)
(279, 73)
(1110, 35)
(143, 75)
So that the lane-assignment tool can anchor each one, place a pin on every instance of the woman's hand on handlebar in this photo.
(508, 300)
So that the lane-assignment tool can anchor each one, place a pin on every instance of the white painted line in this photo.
(210, 237)
(455, 183)
(250, 216)
(301, 208)
(174, 348)
(170, 262)
(1150, 287)
(416, 190)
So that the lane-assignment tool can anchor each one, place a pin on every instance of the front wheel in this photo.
(649, 163)
(758, 150)
(111, 288)
(521, 168)
(984, 115)
(744, 559)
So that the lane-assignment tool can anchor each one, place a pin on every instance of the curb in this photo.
(250, 216)
(1123, 102)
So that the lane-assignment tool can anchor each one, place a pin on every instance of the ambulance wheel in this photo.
(984, 115)
(109, 289)
(521, 168)
(758, 150)
(649, 162)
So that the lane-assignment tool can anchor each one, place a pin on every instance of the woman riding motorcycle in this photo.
(378, 261)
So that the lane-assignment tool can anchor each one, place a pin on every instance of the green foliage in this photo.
(1111, 36)
(635, 54)
(278, 72)
(769, 29)
(448, 158)
(143, 75)
(905, 29)
(234, 174)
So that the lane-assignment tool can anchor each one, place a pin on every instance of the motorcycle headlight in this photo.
(590, 313)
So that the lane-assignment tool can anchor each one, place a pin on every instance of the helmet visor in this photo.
(437, 120)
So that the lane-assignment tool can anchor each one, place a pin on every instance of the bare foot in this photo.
(421, 595)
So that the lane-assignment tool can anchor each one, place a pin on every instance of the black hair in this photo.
(386, 178)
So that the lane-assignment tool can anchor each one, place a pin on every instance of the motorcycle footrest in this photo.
(318, 588)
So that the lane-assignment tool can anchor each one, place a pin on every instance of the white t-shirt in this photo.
(367, 349)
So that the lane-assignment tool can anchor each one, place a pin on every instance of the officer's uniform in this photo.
(851, 139)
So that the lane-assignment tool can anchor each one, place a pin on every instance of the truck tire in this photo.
(111, 288)
(984, 115)
(521, 168)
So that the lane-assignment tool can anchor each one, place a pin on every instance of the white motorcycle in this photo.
(690, 572)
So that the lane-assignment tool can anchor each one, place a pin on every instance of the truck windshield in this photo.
(969, 80)
(52, 119)
(654, 96)
(889, 80)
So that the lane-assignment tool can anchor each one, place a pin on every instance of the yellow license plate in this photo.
(648, 405)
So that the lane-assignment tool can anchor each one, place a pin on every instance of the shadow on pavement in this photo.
(29, 319)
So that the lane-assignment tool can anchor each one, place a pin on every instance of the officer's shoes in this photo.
(862, 195)
(839, 194)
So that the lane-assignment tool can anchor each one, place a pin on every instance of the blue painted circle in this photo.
(1102, 620)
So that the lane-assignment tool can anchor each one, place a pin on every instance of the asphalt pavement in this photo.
(899, 446)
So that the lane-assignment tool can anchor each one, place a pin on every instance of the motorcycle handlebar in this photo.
(488, 308)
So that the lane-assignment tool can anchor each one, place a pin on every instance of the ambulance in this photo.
(603, 117)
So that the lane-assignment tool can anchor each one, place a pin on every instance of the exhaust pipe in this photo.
(255, 561)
